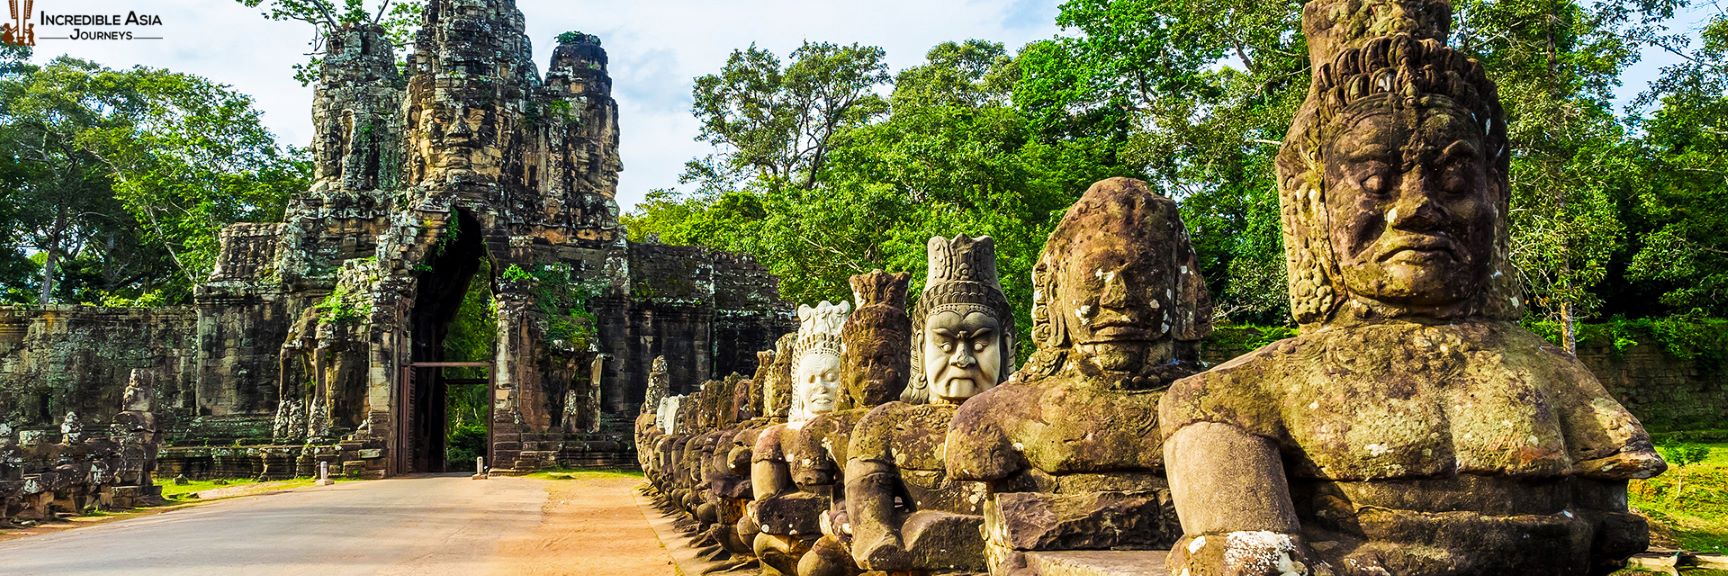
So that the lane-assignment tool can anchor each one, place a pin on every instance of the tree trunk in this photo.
(1568, 329)
(51, 256)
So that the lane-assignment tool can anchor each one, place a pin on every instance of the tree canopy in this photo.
(1614, 211)
(117, 182)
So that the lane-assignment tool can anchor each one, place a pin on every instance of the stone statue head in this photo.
(1117, 287)
(874, 368)
(963, 339)
(666, 416)
(739, 404)
(685, 412)
(777, 382)
(816, 359)
(709, 404)
(1393, 179)
(659, 383)
(139, 396)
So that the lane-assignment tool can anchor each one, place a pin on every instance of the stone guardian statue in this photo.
(1069, 445)
(907, 516)
(1413, 427)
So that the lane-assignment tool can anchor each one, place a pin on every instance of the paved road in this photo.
(423, 526)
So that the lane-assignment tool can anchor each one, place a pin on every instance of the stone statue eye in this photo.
(947, 346)
(1374, 178)
(980, 345)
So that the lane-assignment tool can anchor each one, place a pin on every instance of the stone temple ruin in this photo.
(319, 338)
(1412, 427)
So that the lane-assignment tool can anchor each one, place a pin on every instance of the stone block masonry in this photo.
(311, 339)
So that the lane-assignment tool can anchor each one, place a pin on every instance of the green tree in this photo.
(1680, 245)
(1195, 98)
(399, 18)
(125, 177)
(1556, 63)
(774, 123)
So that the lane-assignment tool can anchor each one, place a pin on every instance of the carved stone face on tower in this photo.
(816, 359)
(876, 359)
(965, 339)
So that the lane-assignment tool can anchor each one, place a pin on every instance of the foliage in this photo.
(345, 306)
(1235, 340)
(465, 443)
(472, 337)
(399, 18)
(953, 155)
(1686, 338)
(119, 181)
(1688, 505)
(1682, 250)
(774, 123)
(562, 300)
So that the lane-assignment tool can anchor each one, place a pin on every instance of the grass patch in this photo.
(1688, 505)
(173, 491)
(240, 487)
(587, 474)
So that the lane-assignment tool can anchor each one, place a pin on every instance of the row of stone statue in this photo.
(1412, 428)
(109, 470)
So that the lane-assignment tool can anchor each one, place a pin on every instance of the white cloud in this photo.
(656, 48)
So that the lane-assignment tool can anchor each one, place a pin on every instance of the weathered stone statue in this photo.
(648, 430)
(787, 515)
(905, 513)
(874, 370)
(1413, 427)
(138, 436)
(1069, 445)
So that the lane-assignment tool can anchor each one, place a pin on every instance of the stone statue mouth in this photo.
(1423, 247)
(1123, 330)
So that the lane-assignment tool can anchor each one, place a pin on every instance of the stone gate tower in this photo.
(323, 324)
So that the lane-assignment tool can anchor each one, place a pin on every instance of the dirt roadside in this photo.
(589, 526)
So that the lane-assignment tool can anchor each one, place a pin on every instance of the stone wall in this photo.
(60, 359)
(1665, 392)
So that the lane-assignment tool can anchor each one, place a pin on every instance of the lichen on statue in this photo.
(784, 513)
(1118, 308)
(906, 515)
(1413, 427)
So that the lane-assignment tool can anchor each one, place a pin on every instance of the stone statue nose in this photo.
(963, 357)
(1115, 293)
(1417, 208)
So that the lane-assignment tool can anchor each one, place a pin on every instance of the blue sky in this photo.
(656, 48)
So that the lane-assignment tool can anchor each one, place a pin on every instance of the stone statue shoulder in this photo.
(771, 444)
(980, 445)
(1603, 438)
(819, 452)
(907, 436)
(1233, 392)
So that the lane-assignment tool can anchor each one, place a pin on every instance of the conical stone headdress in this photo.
(1389, 55)
(962, 278)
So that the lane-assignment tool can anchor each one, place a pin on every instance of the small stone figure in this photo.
(1413, 427)
(906, 515)
(138, 435)
(647, 431)
(787, 514)
(1069, 445)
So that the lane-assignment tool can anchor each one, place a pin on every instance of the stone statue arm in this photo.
(871, 485)
(978, 449)
(770, 476)
(1234, 503)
